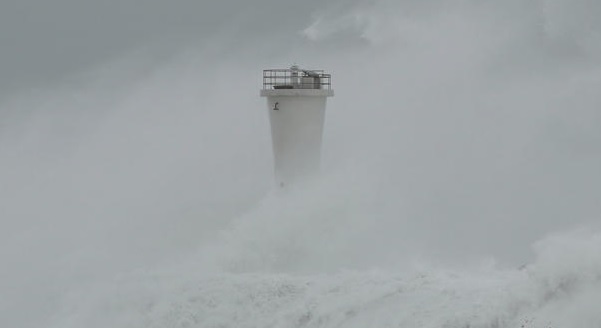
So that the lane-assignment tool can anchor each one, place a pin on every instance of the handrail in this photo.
(296, 79)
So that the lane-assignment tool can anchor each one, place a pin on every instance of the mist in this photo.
(462, 144)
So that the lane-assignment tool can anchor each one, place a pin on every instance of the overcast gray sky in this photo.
(43, 41)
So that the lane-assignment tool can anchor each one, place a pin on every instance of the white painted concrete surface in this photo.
(296, 131)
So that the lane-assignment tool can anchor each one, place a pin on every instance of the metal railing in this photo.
(296, 79)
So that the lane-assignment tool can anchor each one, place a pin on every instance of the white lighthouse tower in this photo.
(296, 101)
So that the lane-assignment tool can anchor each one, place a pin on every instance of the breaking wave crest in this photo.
(559, 289)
